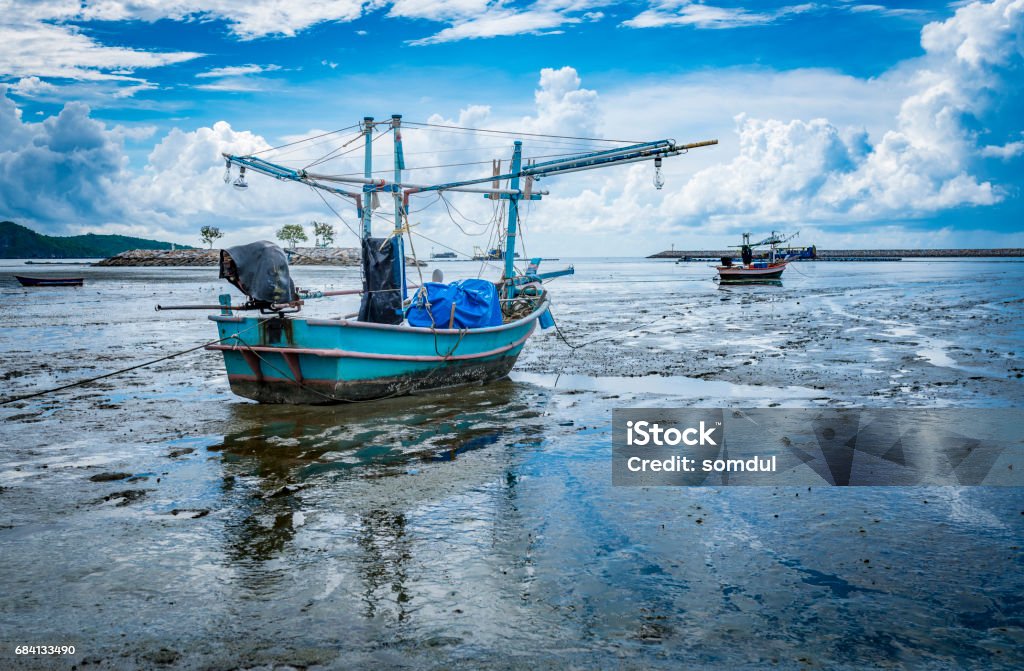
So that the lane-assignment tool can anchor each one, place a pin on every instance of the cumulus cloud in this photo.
(563, 106)
(800, 170)
(979, 34)
(907, 144)
(62, 170)
(32, 87)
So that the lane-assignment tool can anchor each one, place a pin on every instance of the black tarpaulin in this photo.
(260, 271)
(382, 297)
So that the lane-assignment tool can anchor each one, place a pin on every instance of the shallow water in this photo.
(480, 525)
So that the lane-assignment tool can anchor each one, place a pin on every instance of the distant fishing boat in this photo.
(769, 266)
(494, 254)
(49, 281)
(440, 335)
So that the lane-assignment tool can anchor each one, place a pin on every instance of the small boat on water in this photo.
(49, 281)
(494, 254)
(438, 335)
(768, 266)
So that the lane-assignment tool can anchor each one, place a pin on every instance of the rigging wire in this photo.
(290, 152)
(449, 206)
(305, 139)
(336, 213)
(335, 154)
(524, 133)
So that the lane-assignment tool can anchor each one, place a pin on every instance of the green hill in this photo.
(19, 242)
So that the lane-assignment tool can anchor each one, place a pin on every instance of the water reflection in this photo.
(386, 552)
(292, 444)
(732, 284)
(282, 463)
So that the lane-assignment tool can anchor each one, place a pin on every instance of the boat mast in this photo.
(368, 172)
(513, 216)
(398, 241)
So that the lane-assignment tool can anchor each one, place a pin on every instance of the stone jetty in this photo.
(855, 253)
(300, 256)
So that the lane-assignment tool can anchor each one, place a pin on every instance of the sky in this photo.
(856, 125)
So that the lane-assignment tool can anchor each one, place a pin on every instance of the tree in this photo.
(293, 234)
(324, 233)
(209, 234)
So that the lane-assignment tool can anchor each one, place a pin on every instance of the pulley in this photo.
(240, 183)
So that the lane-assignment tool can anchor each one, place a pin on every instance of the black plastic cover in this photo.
(260, 271)
(382, 297)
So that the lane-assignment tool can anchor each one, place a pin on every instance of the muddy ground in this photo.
(155, 520)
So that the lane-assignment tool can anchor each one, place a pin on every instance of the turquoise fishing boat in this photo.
(401, 342)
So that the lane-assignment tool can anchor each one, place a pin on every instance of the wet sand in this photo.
(154, 519)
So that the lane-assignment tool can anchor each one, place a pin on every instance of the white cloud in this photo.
(248, 19)
(1005, 152)
(498, 23)
(44, 50)
(887, 11)
(64, 168)
(439, 10)
(32, 87)
(979, 34)
(807, 148)
(237, 78)
(238, 71)
(562, 105)
(700, 15)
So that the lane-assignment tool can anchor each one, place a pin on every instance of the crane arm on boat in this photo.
(588, 161)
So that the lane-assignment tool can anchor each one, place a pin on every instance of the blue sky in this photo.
(859, 124)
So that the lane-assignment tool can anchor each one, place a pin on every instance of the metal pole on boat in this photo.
(513, 217)
(368, 172)
(398, 240)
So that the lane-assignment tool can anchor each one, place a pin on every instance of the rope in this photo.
(568, 344)
(90, 380)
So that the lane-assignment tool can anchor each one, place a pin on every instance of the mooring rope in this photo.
(561, 336)
(90, 380)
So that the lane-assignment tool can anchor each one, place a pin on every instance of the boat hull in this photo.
(745, 274)
(310, 361)
(49, 281)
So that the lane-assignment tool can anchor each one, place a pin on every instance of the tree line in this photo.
(292, 234)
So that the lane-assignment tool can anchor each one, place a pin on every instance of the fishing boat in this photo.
(493, 254)
(767, 267)
(400, 342)
(49, 281)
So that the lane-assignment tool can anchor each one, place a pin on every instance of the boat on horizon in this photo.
(49, 281)
(436, 336)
